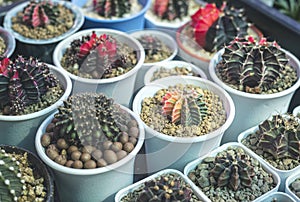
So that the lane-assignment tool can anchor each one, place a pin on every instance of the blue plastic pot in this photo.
(134, 22)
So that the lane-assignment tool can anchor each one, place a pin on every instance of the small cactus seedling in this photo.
(39, 14)
(112, 8)
(185, 107)
(171, 9)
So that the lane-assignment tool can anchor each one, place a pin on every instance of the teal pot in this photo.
(130, 23)
(39, 169)
(21, 130)
(9, 40)
(41, 48)
(251, 109)
(120, 88)
(98, 184)
(165, 151)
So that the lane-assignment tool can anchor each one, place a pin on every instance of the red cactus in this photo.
(160, 7)
(3, 67)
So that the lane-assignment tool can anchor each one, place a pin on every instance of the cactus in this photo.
(214, 27)
(23, 82)
(255, 67)
(185, 107)
(171, 9)
(89, 119)
(40, 14)
(112, 8)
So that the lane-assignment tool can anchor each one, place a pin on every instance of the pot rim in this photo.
(73, 171)
(213, 134)
(67, 92)
(9, 40)
(61, 46)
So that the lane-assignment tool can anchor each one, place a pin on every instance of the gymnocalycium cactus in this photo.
(214, 27)
(255, 66)
(38, 14)
(171, 9)
(112, 8)
(23, 82)
(185, 107)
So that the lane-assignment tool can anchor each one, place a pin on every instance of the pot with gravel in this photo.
(276, 141)
(39, 25)
(292, 186)
(101, 60)
(184, 117)
(7, 43)
(30, 91)
(90, 142)
(261, 78)
(232, 173)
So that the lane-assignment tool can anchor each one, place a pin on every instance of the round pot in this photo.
(289, 181)
(9, 40)
(164, 151)
(133, 22)
(41, 48)
(166, 39)
(190, 51)
(38, 167)
(21, 130)
(6, 7)
(99, 184)
(296, 111)
(193, 164)
(251, 109)
(172, 64)
(120, 88)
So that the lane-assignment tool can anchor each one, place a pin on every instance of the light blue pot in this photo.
(134, 22)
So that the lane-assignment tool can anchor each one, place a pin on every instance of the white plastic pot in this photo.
(120, 88)
(164, 151)
(192, 165)
(164, 38)
(251, 109)
(277, 196)
(9, 41)
(21, 130)
(289, 181)
(99, 184)
(296, 111)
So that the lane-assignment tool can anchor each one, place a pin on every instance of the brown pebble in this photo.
(133, 132)
(133, 140)
(51, 153)
(97, 154)
(116, 146)
(85, 157)
(72, 148)
(101, 163)
(46, 140)
(77, 164)
(110, 156)
(107, 144)
(132, 123)
(128, 147)
(124, 137)
(90, 164)
(121, 154)
(62, 143)
(50, 127)
(76, 155)
(69, 163)
(88, 149)
(61, 159)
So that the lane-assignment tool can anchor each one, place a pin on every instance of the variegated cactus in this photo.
(171, 9)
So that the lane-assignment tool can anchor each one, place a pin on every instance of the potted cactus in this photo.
(7, 43)
(101, 60)
(275, 140)
(166, 185)
(24, 177)
(232, 173)
(91, 140)
(30, 91)
(209, 29)
(120, 15)
(262, 79)
(184, 117)
(39, 25)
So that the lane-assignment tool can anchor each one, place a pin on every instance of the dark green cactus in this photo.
(186, 107)
(11, 182)
(255, 67)
(112, 8)
(171, 9)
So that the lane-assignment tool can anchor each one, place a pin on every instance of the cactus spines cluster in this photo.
(186, 107)
(23, 82)
(171, 9)
(254, 66)
(11, 182)
(40, 13)
(233, 170)
(280, 136)
(112, 8)
(214, 27)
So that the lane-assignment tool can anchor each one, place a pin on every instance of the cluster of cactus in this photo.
(171, 9)
(253, 66)
(112, 8)
(186, 107)
(11, 182)
(40, 13)
(89, 119)
(280, 136)
(214, 27)
(23, 82)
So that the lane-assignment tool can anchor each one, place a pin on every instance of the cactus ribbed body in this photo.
(171, 9)
(112, 8)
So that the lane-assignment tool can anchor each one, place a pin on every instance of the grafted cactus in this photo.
(40, 13)
(112, 8)
(171, 9)
(280, 136)
(23, 82)
(186, 107)
(214, 27)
